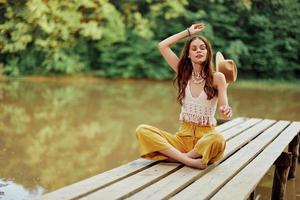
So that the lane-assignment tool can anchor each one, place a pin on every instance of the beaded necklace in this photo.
(197, 78)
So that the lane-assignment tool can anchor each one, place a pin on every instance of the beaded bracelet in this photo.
(189, 32)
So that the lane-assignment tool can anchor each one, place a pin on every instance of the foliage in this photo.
(55, 29)
(118, 39)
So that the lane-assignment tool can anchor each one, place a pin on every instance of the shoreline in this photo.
(264, 84)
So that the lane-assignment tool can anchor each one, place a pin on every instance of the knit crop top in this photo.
(198, 110)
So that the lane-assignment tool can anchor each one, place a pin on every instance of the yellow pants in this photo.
(203, 139)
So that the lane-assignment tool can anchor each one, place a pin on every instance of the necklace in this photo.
(197, 78)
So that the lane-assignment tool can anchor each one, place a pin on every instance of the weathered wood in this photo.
(134, 183)
(206, 186)
(235, 120)
(99, 181)
(231, 123)
(246, 180)
(229, 134)
(245, 136)
(252, 195)
(299, 150)
(293, 148)
(176, 181)
(282, 165)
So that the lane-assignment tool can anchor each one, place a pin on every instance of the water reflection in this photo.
(56, 132)
(266, 103)
(9, 190)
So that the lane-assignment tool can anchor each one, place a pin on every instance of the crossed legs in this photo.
(156, 144)
(191, 158)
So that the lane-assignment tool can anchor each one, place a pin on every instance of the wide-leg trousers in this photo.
(205, 140)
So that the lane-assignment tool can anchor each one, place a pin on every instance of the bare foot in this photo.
(196, 163)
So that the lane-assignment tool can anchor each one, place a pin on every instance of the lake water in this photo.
(57, 131)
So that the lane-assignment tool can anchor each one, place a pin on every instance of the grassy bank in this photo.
(265, 84)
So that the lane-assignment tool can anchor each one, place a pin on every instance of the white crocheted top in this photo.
(198, 110)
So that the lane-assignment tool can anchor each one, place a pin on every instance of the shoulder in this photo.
(219, 79)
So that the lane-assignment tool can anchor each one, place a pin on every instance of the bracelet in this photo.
(189, 32)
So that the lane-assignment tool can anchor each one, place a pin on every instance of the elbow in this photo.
(159, 45)
(162, 45)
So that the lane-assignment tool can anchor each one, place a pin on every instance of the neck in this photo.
(197, 67)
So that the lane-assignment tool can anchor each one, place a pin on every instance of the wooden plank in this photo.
(99, 181)
(237, 142)
(250, 176)
(231, 123)
(104, 179)
(176, 181)
(210, 183)
(134, 183)
(229, 134)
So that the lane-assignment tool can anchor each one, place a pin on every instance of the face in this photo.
(198, 51)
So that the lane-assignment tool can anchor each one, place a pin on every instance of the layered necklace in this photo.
(197, 78)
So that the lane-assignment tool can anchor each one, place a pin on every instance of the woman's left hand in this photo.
(226, 111)
(196, 28)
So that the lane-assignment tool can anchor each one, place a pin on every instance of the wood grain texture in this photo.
(245, 182)
(210, 183)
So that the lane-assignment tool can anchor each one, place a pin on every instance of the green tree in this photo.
(118, 38)
(52, 32)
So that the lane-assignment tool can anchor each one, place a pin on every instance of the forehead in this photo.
(197, 42)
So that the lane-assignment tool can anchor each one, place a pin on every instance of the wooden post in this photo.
(282, 165)
(252, 195)
(299, 150)
(293, 148)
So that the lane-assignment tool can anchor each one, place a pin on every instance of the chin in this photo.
(196, 61)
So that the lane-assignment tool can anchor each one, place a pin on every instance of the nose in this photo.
(199, 50)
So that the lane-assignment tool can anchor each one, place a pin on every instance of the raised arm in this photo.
(165, 45)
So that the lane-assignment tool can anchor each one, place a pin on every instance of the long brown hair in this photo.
(185, 68)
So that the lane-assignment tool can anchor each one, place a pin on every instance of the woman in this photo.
(196, 144)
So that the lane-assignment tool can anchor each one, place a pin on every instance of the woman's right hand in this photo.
(196, 28)
(226, 111)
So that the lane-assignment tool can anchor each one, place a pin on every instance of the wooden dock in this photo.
(253, 146)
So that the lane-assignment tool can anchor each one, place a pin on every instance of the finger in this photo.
(202, 24)
(199, 26)
(227, 115)
(230, 114)
(227, 111)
